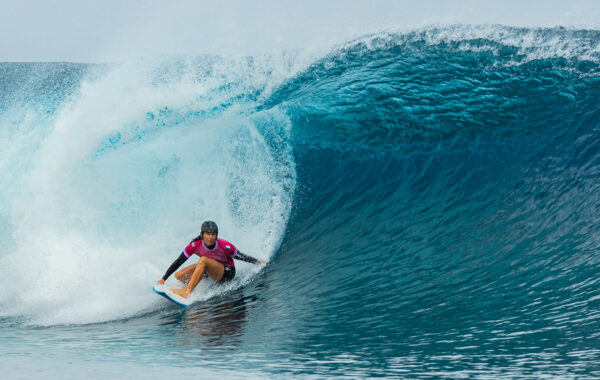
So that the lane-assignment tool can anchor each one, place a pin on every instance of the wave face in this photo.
(448, 199)
(430, 200)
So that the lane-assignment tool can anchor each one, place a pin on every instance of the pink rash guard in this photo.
(223, 251)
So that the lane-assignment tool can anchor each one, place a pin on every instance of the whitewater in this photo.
(428, 201)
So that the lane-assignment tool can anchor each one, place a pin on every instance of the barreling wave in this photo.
(437, 187)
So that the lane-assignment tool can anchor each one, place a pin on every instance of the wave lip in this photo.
(419, 90)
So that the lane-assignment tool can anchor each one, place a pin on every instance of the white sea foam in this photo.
(131, 166)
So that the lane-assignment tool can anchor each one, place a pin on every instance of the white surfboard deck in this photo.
(166, 292)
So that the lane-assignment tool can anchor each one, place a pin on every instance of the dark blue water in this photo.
(443, 219)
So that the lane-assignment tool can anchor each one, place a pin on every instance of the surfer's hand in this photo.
(161, 281)
(261, 262)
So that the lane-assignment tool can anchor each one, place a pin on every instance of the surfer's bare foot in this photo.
(181, 292)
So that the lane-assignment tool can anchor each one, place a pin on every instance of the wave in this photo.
(443, 171)
(447, 186)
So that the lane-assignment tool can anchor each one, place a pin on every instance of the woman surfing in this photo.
(216, 260)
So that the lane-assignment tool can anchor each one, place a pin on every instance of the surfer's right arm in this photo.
(176, 264)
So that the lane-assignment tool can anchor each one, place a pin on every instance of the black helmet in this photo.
(209, 226)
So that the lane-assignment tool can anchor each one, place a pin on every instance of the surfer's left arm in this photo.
(176, 264)
(247, 258)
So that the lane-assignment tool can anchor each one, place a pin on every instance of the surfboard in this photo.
(164, 291)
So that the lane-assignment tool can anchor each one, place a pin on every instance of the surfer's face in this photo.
(209, 238)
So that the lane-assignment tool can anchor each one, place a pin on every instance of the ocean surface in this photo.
(428, 201)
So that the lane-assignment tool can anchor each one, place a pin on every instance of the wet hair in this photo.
(199, 237)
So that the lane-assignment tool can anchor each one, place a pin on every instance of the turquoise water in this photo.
(428, 202)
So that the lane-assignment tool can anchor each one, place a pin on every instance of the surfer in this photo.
(216, 260)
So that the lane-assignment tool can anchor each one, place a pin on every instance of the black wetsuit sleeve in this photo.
(246, 258)
(176, 264)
